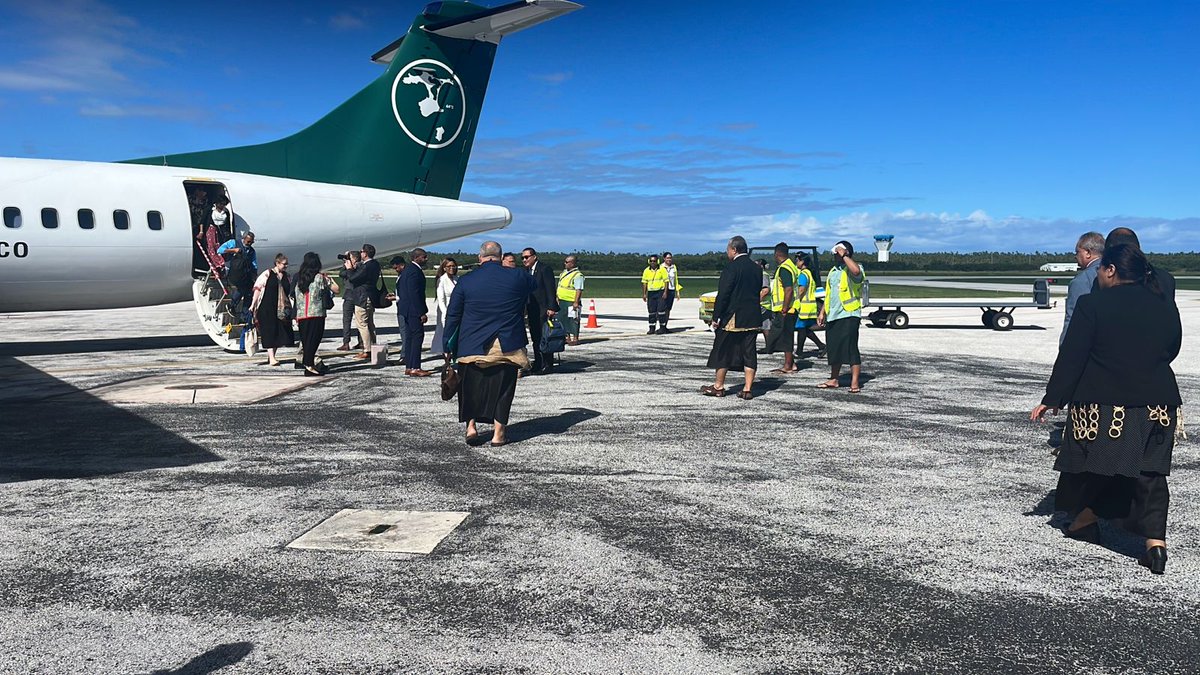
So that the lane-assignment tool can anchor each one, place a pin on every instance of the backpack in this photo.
(554, 337)
(239, 272)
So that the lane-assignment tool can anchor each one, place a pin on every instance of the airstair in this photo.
(212, 298)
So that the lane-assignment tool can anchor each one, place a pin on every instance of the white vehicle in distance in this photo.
(1060, 267)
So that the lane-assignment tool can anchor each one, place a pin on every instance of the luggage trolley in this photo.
(995, 316)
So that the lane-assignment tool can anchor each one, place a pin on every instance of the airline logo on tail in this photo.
(429, 103)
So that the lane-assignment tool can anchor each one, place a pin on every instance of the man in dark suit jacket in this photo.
(1124, 235)
(363, 278)
(488, 305)
(540, 306)
(737, 320)
(410, 303)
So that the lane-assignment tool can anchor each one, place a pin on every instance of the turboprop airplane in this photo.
(385, 168)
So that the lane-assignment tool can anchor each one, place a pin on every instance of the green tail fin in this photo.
(412, 129)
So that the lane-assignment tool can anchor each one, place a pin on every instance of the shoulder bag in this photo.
(381, 294)
(326, 295)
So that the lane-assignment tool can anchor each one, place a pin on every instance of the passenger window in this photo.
(154, 219)
(87, 219)
(12, 217)
(121, 219)
(50, 218)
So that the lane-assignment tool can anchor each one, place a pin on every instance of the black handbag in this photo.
(381, 294)
(327, 296)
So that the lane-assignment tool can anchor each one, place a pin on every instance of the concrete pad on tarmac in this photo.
(188, 389)
(383, 531)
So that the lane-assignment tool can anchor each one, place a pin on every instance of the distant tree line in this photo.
(631, 264)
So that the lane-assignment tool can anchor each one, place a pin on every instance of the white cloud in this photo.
(346, 21)
(943, 231)
(553, 78)
(81, 46)
(181, 113)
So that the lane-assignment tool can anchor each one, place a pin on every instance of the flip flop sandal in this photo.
(826, 385)
(855, 390)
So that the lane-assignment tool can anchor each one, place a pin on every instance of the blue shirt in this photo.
(247, 251)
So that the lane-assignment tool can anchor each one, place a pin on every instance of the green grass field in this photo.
(1180, 284)
(631, 287)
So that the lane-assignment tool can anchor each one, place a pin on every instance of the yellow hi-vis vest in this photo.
(566, 285)
(849, 291)
(807, 305)
(778, 291)
(655, 280)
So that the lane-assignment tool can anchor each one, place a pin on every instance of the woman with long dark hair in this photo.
(1114, 371)
(447, 277)
(312, 287)
(272, 308)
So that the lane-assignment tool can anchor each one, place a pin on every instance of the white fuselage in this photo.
(68, 267)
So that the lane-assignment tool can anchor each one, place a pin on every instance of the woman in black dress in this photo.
(1114, 371)
(272, 308)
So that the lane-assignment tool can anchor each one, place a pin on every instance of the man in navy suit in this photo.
(486, 307)
(410, 296)
(542, 305)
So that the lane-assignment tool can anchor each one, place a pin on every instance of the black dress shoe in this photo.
(1155, 558)
(298, 364)
(1088, 533)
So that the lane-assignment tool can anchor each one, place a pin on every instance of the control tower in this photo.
(883, 246)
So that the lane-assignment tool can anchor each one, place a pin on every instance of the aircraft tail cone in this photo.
(592, 316)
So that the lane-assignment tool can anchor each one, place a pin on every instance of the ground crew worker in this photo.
(784, 305)
(654, 294)
(570, 297)
(674, 286)
(843, 311)
(806, 316)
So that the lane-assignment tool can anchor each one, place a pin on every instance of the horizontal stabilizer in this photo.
(384, 56)
(493, 24)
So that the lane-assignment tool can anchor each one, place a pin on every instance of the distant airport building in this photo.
(1060, 267)
(883, 246)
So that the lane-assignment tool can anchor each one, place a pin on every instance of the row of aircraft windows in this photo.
(86, 218)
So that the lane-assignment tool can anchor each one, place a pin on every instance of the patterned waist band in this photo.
(1085, 419)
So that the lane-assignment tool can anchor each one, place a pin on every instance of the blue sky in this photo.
(638, 126)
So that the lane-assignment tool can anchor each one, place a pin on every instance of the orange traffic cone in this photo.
(592, 316)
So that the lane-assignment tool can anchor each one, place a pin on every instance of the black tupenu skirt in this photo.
(735, 350)
(487, 393)
(1115, 460)
(841, 341)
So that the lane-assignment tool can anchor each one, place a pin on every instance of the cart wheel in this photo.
(1002, 321)
(898, 320)
(988, 315)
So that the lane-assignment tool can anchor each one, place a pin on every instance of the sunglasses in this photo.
(526, 257)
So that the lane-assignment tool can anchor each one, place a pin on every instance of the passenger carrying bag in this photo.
(381, 294)
(327, 295)
(451, 382)
(554, 337)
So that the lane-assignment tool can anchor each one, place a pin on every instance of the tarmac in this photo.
(153, 484)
